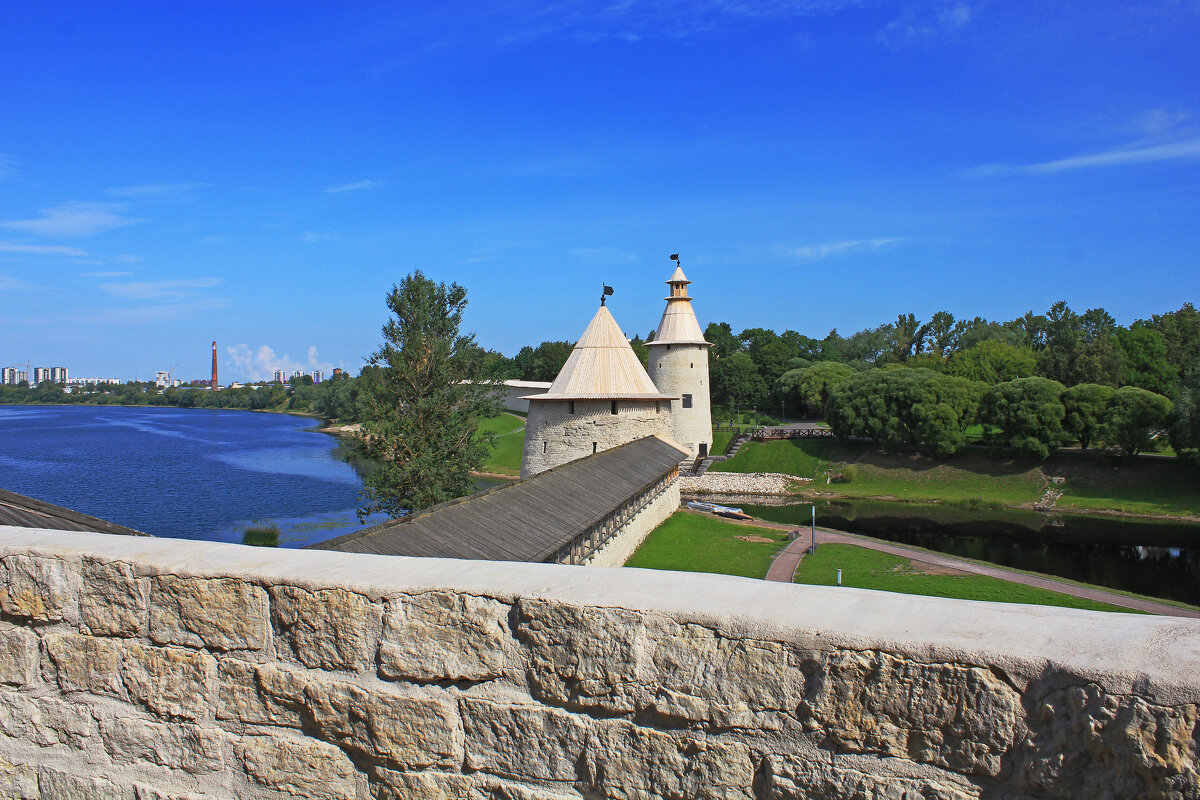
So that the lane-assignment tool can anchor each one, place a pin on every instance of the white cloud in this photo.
(9, 283)
(179, 289)
(354, 186)
(74, 219)
(920, 23)
(313, 237)
(152, 191)
(104, 274)
(41, 249)
(1176, 151)
(261, 363)
(8, 166)
(823, 250)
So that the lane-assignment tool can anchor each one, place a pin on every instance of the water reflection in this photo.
(1151, 557)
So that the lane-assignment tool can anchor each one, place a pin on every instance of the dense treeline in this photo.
(1035, 383)
(336, 398)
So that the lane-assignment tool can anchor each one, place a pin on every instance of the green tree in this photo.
(421, 411)
(1185, 425)
(1181, 333)
(940, 335)
(908, 335)
(992, 361)
(735, 380)
(817, 381)
(724, 343)
(1086, 406)
(1133, 417)
(1029, 413)
(1146, 365)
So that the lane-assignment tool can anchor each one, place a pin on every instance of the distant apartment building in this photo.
(281, 376)
(40, 374)
(162, 379)
(296, 373)
(337, 372)
(58, 374)
(91, 381)
(317, 375)
(8, 376)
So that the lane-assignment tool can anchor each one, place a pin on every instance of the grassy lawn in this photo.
(790, 456)
(1139, 486)
(721, 440)
(868, 569)
(696, 543)
(510, 440)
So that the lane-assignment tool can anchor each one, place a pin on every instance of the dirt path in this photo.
(784, 568)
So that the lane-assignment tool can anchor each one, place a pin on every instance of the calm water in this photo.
(1160, 559)
(187, 473)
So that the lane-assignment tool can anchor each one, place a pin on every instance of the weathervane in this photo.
(675, 258)
(605, 292)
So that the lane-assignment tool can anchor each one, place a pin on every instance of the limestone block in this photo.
(585, 657)
(45, 721)
(42, 589)
(389, 784)
(509, 791)
(86, 663)
(143, 792)
(298, 767)
(18, 655)
(407, 730)
(241, 698)
(726, 683)
(1084, 742)
(18, 781)
(804, 777)
(219, 613)
(191, 748)
(445, 636)
(171, 681)
(523, 741)
(327, 629)
(955, 716)
(115, 599)
(628, 762)
(55, 784)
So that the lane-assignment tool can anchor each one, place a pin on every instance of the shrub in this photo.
(261, 536)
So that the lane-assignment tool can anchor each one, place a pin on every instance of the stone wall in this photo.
(634, 530)
(154, 669)
(554, 435)
(681, 369)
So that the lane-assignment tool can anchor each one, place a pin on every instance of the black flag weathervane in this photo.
(606, 292)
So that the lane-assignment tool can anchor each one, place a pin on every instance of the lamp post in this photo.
(814, 528)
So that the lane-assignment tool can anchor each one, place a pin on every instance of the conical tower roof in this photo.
(678, 324)
(603, 367)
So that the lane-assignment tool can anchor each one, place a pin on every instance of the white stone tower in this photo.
(679, 367)
(601, 398)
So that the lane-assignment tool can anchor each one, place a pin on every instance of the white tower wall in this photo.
(682, 369)
(559, 431)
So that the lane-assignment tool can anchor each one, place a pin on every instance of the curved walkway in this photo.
(783, 568)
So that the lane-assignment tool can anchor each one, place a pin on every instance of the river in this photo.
(186, 473)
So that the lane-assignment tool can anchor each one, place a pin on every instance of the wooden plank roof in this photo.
(528, 520)
(25, 512)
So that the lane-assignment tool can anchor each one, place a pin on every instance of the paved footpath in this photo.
(783, 568)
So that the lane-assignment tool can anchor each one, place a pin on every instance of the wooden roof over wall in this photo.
(25, 512)
(528, 520)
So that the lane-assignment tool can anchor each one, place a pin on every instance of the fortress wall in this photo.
(683, 369)
(618, 550)
(157, 669)
(554, 436)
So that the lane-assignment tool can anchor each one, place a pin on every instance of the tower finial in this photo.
(675, 258)
(605, 292)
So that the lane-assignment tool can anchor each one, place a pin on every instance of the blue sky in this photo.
(261, 173)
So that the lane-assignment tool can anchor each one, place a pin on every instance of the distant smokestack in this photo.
(214, 378)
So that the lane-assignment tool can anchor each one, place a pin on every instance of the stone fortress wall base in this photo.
(157, 669)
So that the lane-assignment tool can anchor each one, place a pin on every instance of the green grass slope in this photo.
(695, 543)
(505, 458)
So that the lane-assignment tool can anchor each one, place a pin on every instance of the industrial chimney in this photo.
(214, 378)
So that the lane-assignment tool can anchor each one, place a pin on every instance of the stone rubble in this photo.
(751, 483)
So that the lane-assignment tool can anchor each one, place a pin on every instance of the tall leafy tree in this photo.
(992, 361)
(909, 336)
(1134, 416)
(421, 410)
(905, 408)
(1146, 365)
(1086, 406)
(1029, 413)
(1181, 333)
(940, 335)
(735, 379)
(724, 343)
(1185, 425)
(817, 381)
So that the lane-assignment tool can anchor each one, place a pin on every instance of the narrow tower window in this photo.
(544, 444)
(692, 365)
(687, 401)
(614, 406)
(572, 408)
(594, 448)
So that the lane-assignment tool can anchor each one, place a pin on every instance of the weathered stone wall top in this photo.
(153, 668)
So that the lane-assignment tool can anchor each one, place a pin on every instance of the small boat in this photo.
(720, 511)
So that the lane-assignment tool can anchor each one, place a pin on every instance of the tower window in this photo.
(660, 365)
(687, 401)
(544, 444)
(657, 407)
(614, 406)
(594, 448)
(692, 365)
(571, 410)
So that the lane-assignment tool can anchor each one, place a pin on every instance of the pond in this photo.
(1151, 557)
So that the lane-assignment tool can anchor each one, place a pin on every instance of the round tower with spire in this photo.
(601, 398)
(679, 367)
